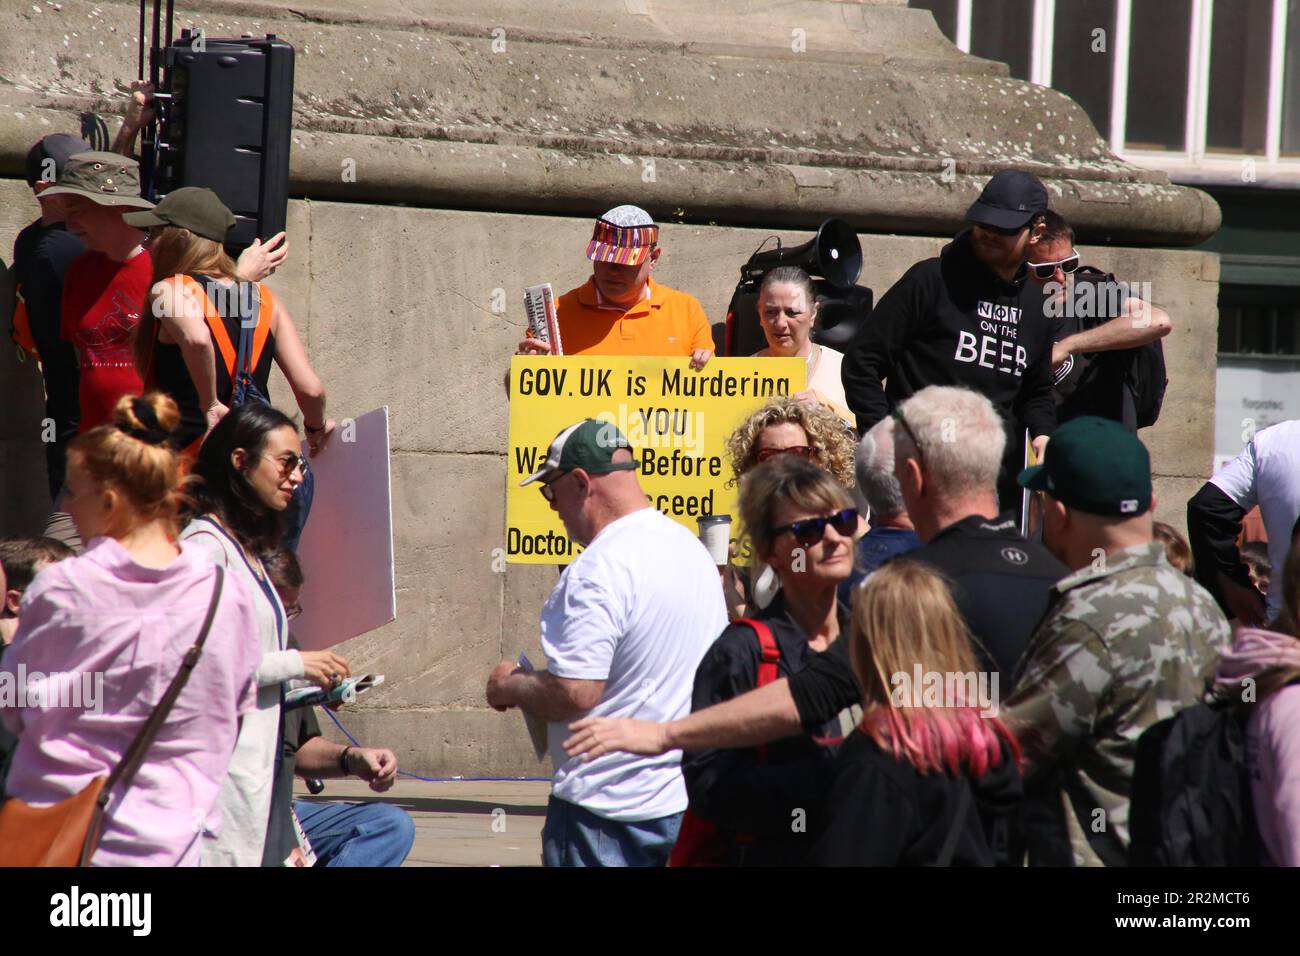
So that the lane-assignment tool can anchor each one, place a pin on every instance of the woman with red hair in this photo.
(930, 775)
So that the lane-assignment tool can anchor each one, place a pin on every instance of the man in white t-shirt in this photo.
(623, 632)
(1267, 474)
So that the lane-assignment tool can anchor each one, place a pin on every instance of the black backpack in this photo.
(1191, 801)
(1148, 380)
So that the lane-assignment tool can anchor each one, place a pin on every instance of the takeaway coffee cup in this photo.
(715, 534)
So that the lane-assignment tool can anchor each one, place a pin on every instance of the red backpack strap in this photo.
(769, 656)
(768, 651)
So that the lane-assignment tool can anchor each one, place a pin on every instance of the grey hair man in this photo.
(949, 447)
(891, 531)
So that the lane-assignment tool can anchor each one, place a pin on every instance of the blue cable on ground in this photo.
(416, 776)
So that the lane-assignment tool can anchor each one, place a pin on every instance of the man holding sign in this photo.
(620, 310)
(623, 631)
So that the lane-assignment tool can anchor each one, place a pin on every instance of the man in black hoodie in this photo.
(970, 318)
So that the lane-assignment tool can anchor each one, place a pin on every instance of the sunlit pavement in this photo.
(460, 823)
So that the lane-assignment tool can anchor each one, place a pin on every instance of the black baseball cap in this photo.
(195, 208)
(58, 147)
(1009, 200)
(1094, 465)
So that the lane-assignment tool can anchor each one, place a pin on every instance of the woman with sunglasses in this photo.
(248, 469)
(766, 802)
(784, 426)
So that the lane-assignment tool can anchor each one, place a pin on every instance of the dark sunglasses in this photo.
(811, 530)
(803, 451)
(547, 491)
(289, 463)
(1045, 270)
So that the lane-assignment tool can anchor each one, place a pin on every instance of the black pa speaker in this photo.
(226, 123)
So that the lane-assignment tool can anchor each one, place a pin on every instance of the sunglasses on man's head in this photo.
(811, 530)
(803, 451)
(897, 415)
(1045, 270)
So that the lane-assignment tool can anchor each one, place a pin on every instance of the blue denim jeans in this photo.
(573, 836)
(356, 834)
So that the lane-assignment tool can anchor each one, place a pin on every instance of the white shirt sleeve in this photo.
(279, 666)
(1236, 479)
(581, 634)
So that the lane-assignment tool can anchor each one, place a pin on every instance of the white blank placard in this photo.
(347, 547)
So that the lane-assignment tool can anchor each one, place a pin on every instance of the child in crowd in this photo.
(919, 783)
(23, 559)
(1255, 554)
(1177, 550)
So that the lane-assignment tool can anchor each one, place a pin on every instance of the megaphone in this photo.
(833, 258)
(834, 254)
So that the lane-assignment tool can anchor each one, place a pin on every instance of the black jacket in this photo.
(883, 812)
(1001, 583)
(776, 804)
(952, 321)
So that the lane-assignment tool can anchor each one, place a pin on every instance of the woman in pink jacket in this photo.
(1271, 659)
(101, 636)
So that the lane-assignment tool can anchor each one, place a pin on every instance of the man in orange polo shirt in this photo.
(620, 310)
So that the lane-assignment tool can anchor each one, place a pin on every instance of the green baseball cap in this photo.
(109, 179)
(1094, 465)
(191, 207)
(589, 445)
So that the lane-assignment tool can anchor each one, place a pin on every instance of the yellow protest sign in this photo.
(676, 419)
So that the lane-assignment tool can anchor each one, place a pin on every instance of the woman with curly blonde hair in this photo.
(788, 426)
(782, 426)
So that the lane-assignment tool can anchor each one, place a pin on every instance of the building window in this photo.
(1003, 30)
(1083, 56)
(1291, 83)
(1259, 321)
(1159, 36)
(1240, 40)
(1199, 79)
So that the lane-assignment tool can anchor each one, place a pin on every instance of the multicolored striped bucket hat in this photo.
(624, 236)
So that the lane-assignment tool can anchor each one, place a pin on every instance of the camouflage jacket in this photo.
(1125, 642)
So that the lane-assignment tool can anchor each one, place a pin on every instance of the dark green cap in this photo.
(191, 207)
(1095, 465)
(589, 445)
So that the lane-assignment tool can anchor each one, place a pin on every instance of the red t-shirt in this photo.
(102, 300)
